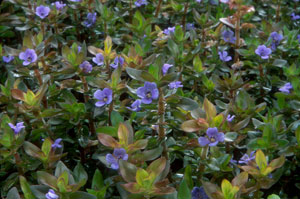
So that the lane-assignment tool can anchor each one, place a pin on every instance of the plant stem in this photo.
(161, 130)
(86, 99)
(278, 11)
(158, 8)
(184, 15)
(237, 32)
(202, 166)
(111, 107)
(39, 77)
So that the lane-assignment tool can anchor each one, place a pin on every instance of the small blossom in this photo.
(139, 3)
(175, 85)
(286, 88)
(213, 2)
(224, 1)
(245, 159)
(78, 49)
(190, 26)
(118, 61)
(169, 30)
(75, 0)
(263, 51)
(86, 67)
(165, 68)
(135, 106)
(56, 143)
(103, 96)
(113, 159)
(8, 58)
(228, 36)
(148, 92)
(198, 1)
(42, 11)
(276, 38)
(224, 56)
(29, 56)
(59, 5)
(99, 59)
(298, 37)
(19, 126)
(51, 194)
(295, 17)
(199, 193)
(213, 137)
(90, 20)
(230, 118)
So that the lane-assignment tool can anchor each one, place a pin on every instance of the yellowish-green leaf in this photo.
(141, 176)
(107, 45)
(261, 160)
(46, 147)
(123, 134)
(226, 188)
(210, 109)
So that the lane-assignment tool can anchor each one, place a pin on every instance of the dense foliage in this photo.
(169, 99)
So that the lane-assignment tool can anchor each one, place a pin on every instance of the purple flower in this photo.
(148, 92)
(228, 36)
(135, 106)
(286, 88)
(8, 58)
(224, 1)
(119, 61)
(276, 38)
(175, 85)
(90, 19)
(213, 2)
(59, 5)
(42, 11)
(76, 0)
(19, 126)
(139, 3)
(78, 49)
(169, 30)
(56, 143)
(230, 118)
(199, 193)
(51, 194)
(298, 37)
(190, 26)
(113, 159)
(198, 1)
(224, 56)
(213, 137)
(103, 97)
(99, 59)
(295, 17)
(245, 159)
(165, 68)
(86, 67)
(263, 51)
(29, 56)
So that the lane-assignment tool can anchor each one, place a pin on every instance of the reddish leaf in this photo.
(108, 140)
(17, 94)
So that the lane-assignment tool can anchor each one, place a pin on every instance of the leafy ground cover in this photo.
(166, 99)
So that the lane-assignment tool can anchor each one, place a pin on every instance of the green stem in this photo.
(202, 166)
(161, 130)
(184, 15)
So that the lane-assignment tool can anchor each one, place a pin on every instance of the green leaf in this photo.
(188, 176)
(115, 77)
(46, 179)
(173, 48)
(109, 130)
(81, 195)
(13, 194)
(297, 133)
(184, 191)
(157, 166)
(279, 63)
(26, 189)
(46, 147)
(97, 182)
(141, 176)
(273, 196)
(116, 118)
(230, 136)
(80, 175)
(210, 109)
(179, 35)
(32, 150)
(260, 160)
(154, 71)
(197, 63)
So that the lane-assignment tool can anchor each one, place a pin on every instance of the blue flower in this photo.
(230, 118)
(245, 159)
(228, 36)
(276, 38)
(42, 11)
(86, 67)
(51, 194)
(113, 159)
(119, 61)
(286, 88)
(103, 97)
(212, 139)
(29, 56)
(165, 68)
(169, 30)
(139, 3)
(263, 51)
(7, 59)
(90, 20)
(99, 59)
(190, 26)
(56, 143)
(175, 85)
(19, 126)
(295, 17)
(148, 92)
(199, 193)
(59, 5)
(135, 106)
(224, 56)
